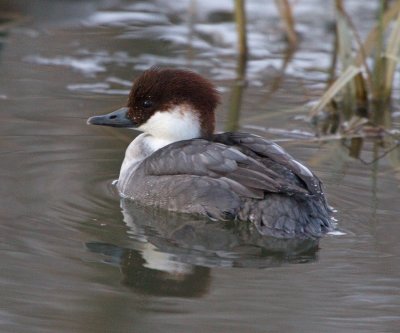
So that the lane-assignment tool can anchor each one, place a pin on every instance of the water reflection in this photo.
(171, 254)
(8, 20)
(145, 276)
(54, 12)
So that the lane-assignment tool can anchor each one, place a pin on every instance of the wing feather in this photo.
(223, 159)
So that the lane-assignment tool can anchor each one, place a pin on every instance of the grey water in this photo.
(74, 258)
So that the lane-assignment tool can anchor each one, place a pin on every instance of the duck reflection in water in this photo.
(172, 254)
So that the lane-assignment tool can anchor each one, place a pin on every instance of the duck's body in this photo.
(178, 164)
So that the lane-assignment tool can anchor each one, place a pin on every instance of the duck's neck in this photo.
(141, 147)
(163, 128)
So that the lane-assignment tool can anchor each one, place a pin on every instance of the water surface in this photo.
(76, 259)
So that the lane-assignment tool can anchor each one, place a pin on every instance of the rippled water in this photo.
(76, 259)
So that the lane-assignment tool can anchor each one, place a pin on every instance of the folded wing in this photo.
(249, 165)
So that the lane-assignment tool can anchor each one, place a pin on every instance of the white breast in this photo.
(160, 130)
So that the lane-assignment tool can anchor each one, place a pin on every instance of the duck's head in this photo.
(172, 104)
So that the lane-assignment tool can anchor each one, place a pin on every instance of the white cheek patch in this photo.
(179, 123)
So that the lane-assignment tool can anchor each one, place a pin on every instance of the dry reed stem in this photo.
(240, 18)
(285, 10)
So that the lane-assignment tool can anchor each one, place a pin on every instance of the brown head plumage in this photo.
(160, 89)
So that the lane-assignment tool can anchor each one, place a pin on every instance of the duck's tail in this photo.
(288, 216)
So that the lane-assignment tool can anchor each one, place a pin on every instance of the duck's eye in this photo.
(147, 103)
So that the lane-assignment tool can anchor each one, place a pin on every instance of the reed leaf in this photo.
(345, 45)
(392, 58)
(285, 10)
(344, 36)
(361, 95)
(379, 64)
(370, 42)
(338, 85)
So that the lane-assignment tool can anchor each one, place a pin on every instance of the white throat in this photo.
(161, 129)
(177, 124)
